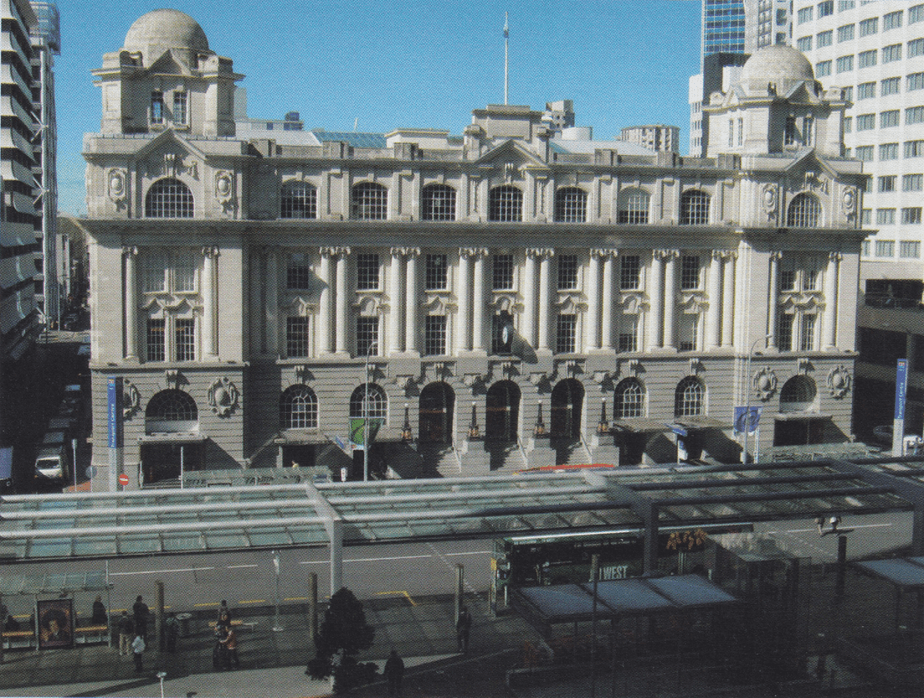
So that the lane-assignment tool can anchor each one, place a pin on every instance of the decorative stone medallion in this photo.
(839, 381)
(131, 398)
(223, 397)
(764, 382)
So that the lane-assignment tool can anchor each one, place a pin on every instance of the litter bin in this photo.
(184, 619)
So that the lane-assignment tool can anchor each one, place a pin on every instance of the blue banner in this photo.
(747, 419)
(901, 388)
(114, 406)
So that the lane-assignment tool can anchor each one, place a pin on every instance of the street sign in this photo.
(901, 390)
(678, 429)
(123, 479)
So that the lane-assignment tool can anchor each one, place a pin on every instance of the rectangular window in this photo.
(156, 344)
(789, 132)
(864, 152)
(807, 342)
(887, 183)
(915, 82)
(913, 182)
(157, 107)
(915, 48)
(502, 272)
(630, 272)
(884, 216)
(367, 335)
(889, 119)
(916, 14)
(866, 90)
(888, 151)
(891, 86)
(740, 131)
(885, 248)
(688, 332)
(866, 122)
(296, 337)
(844, 5)
(367, 272)
(185, 340)
(184, 274)
(804, 44)
(848, 94)
(865, 251)
(909, 249)
(914, 115)
(436, 273)
(298, 272)
(731, 133)
(810, 282)
(823, 69)
(869, 26)
(155, 265)
(911, 215)
(628, 337)
(866, 216)
(435, 335)
(914, 149)
(808, 130)
(891, 53)
(787, 280)
(845, 33)
(867, 59)
(565, 333)
(825, 38)
(784, 332)
(845, 64)
(179, 108)
(805, 15)
(892, 20)
(567, 272)
(689, 273)
(848, 124)
(826, 8)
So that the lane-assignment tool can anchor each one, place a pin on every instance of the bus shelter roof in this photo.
(38, 584)
(906, 573)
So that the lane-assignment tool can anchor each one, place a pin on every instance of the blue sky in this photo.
(403, 63)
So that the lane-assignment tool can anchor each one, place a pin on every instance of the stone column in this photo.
(272, 302)
(728, 300)
(655, 299)
(593, 293)
(341, 302)
(774, 299)
(478, 300)
(326, 304)
(606, 323)
(545, 293)
(530, 300)
(209, 303)
(395, 338)
(464, 297)
(131, 302)
(829, 323)
(411, 301)
(670, 299)
(714, 311)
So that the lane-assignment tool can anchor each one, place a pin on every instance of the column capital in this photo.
(335, 251)
(666, 255)
(211, 251)
(604, 253)
(540, 253)
(474, 252)
(130, 250)
(776, 255)
(730, 255)
(835, 256)
(411, 252)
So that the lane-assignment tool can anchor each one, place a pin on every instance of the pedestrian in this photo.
(463, 626)
(138, 647)
(171, 631)
(230, 643)
(394, 672)
(126, 631)
(141, 612)
(99, 612)
(224, 614)
(220, 651)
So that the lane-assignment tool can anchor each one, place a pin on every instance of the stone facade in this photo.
(502, 299)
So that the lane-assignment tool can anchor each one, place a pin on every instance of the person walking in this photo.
(394, 673)
(141, 612)
(220, 651)
(230, 644)
(224, 614)
(463, 626)
(171, 632)
(126, 631)
(138, 648)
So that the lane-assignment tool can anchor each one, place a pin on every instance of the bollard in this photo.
(159, 614)
(313, 608)
(460, 577)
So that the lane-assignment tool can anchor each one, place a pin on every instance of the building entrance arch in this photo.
(567, 404)
(502, 409)
(436, 405)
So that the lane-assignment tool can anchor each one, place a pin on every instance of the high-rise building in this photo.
(653, 136)
(723, 28)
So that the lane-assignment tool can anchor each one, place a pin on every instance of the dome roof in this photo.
(155, 32)
(781, 65)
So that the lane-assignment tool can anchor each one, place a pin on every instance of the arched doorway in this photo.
(437, 401)
(567, 402)
(172, 445)
(798, 424)
(502, 410)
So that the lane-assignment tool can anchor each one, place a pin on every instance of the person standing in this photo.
(138, 647)
(463, 626)
(230, 643)
(99, 612)
(171, 632)
(141, 611)
(126, 630)
(394, 673)
(224, 614)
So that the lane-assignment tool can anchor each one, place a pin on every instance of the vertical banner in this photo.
(901, 389)
(114, 418)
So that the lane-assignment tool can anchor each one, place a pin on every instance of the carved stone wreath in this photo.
(131, 399)
(116, 184)
(769, 199)
(224, 188)
(764, 382)
(223, 397)
(849, 201)
(839, 381)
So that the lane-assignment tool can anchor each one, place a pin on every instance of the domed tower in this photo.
(776, 106)
(166, 76)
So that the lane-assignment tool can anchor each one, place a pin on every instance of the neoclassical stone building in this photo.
(501, 299)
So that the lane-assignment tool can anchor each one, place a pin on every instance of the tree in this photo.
(344, 633)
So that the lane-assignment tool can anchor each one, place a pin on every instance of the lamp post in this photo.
(372, 347)
(747, 395)
(277, 626)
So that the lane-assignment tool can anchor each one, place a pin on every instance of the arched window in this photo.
(505, 204)
(438, 203)
(171, 411)
(299, 200)
(798, 394)
(369, 202)
(567, 400)
(804, 212)
(629, 399)
(298, 408)
(377, 404)
(694, 207)
(168, 198)
(436, 407)
(633, 206)
(689, 397)
(502, 408)
(571, 205)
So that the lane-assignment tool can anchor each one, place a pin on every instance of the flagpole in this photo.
(506, 58)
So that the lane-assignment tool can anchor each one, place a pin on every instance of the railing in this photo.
(892, 302)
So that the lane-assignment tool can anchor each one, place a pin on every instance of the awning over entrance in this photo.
(798, 416)
(178, 437)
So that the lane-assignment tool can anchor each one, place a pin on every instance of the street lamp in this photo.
(372, 347)
(747, 394)
(161, 675)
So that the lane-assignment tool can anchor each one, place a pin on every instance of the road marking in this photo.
(368, 559)
(179, 569)
(210, 603)
(815, 530)
(399, 593)
(252, 601)
(296, 598)
(474, 552)
(239, 567)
